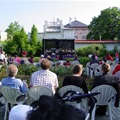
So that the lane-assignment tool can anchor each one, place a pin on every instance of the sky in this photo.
(29, 12)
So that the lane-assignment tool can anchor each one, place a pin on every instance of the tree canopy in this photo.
(35, 44)
(106, 26)
(18, 40)
(12, 29)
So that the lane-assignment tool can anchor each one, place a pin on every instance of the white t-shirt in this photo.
(2, 56)
(19, 112)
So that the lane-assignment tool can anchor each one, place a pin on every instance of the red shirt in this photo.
(117, 68)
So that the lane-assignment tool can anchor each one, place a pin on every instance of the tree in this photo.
(12, 29)
(10, 47)
(34, 42)
(106, 25)
(34, 36)
(21, 39)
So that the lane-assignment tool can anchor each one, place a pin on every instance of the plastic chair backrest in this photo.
(82, 105)
(110, 62)
(107, 92)
(75, 62)
(117, 74)
(98, 70)
(10, 94)
(64, 89)
(36, 91)
(93, 66)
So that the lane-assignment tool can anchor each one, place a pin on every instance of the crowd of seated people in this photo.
(45, 77)
(59, 53)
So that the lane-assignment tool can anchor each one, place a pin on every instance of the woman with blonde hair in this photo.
(106, 79)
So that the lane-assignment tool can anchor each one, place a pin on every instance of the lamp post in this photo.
(100, 37)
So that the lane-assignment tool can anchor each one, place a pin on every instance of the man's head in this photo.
(45, 64)
(12, 70)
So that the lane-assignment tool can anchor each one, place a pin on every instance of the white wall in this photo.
(3, 35)
(53, 35)
(69, 34)
(109, 46)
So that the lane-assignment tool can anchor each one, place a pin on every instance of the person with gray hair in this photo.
(13, 82)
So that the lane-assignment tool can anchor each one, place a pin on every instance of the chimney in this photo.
(70, 19)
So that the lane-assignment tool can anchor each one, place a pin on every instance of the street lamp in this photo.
(100, 37)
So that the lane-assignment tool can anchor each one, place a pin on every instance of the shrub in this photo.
(85, 51)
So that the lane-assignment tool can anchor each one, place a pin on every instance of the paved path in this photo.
(115, 114)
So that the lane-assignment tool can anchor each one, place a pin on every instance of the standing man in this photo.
(44, 77)
(2, 58)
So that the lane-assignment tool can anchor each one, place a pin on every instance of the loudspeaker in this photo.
(96, 48)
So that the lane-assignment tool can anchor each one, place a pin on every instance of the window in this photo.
(83, 37)
(76, 37)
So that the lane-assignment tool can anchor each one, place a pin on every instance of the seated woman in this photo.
(76, 78)
(31, 59)
(13, 82)
(67, 63)
(10, 59)
(76, 58)
(106, 79)
(16, 60)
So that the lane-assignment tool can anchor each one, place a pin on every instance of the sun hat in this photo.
(42, 56)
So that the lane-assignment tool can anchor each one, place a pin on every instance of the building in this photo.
(3, 35)
(80, 29)
(110, 44)
(56, 36)
(72, 35)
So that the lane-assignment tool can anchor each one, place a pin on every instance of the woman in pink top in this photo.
(17, 59)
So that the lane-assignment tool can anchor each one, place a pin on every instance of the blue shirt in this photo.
(14, 83)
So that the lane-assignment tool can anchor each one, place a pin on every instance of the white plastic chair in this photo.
(107, 93)
(75, 62)
(98, 70)
(117, 74)
(82, 105)
(92, 69)
(10, 95)
(87, 68)
(110, 62)
(36, 91)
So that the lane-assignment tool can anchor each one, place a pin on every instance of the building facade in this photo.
(56, 36)
(3, 35)
(80, 29)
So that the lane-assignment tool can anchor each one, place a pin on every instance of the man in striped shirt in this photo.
(44, 77)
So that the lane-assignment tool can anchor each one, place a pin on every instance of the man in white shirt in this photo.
(44, 77)
(2, 57)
